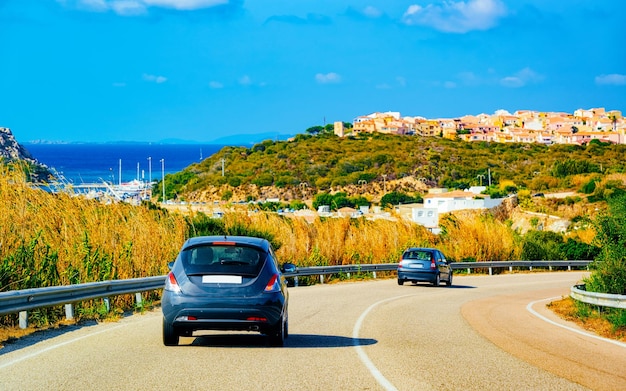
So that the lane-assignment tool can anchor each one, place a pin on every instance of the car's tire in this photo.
(277, 334)
(449, 282)
(400, 282)
(170, 337)
(437, 280)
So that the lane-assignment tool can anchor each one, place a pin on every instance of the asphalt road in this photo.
(484, 333)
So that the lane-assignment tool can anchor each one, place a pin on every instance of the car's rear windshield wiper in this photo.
(234, 262)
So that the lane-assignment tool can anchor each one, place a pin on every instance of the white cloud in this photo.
(138, 7)
(216, 85)
(245, 80)
(128, 7)
(327, 78)
(457, 17)
(614, 79)
(469, 78)
(521, 78)
(184, 4)
(154, 78)
(372, 12)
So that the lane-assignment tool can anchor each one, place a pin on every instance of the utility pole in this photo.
(163, 177)
(149, 169)
(223, 166)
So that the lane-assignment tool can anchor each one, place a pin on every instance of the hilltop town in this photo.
(523, 126)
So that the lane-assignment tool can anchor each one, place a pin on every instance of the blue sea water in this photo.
(93, 163)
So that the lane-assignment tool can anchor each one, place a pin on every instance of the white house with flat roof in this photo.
(437, 202)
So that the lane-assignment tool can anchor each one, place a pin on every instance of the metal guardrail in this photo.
(22, 301)
(28, 299)
(321, 270)
(577, 292)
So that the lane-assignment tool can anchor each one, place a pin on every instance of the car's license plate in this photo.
(212, 279)
(416, 266)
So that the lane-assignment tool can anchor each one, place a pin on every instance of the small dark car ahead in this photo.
(226, 283)
(424, 265)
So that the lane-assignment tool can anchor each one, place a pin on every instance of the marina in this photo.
(115, 172)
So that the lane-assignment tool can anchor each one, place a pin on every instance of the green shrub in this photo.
(609, 268)
(542, 245)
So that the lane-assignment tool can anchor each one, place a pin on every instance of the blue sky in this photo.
(148, 70)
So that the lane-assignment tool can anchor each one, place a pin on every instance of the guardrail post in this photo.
(138, 299)
(321, 278)
(530, 268)
(348, 274)
(107, 303)
(69, 311)
(550, 267)
(23, 319)
(490, 271)
(569, 268)
(510, 269)
(374, 273)
(469, 270)
(295, 281)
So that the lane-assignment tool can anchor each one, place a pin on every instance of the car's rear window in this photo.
(229, 259)
(420, 255)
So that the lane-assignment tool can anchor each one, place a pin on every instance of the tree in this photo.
(396, 198)
(315, 129)
(322, 199)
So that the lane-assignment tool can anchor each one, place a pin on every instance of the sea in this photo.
(118, 163)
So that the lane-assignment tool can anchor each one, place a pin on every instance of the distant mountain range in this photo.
(244, 140)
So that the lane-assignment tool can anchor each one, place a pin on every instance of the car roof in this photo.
(420, 249)
(244, 240)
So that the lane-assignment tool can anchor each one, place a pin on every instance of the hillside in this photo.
(377, 164)
(12, 152)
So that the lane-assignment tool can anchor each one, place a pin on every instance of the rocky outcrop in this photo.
(12, 151)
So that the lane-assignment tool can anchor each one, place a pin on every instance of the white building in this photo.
(437, 203)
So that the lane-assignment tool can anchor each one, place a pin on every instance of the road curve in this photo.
(372, 335)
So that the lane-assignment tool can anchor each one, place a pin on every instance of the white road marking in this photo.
(382, 380)
(532, 311)
(56, 346)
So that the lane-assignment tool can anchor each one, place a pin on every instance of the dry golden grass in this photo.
(335, 241)
(476, 235)
(86, 240)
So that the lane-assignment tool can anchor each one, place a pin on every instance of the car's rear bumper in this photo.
(419, 276)
(252, 314)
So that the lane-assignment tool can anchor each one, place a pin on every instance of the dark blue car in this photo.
(226, 283)
(424, 265)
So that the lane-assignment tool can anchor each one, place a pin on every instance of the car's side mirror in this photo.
(289, 268)
(170, 265)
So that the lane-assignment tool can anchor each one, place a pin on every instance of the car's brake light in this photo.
(171, 284)
(256, 319)
(433, 265)
(224, 243)
(273, 285)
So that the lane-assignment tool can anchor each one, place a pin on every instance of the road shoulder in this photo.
(583, 359)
